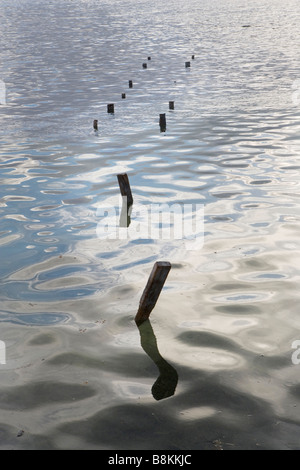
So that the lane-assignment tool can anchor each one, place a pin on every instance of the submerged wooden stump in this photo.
(152, 290)
(162, 122)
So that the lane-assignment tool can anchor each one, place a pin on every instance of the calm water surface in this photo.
(78, 373)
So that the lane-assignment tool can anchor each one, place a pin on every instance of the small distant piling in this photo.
(162, 122)
(123, 96)
(95, 124)
(187, 64)
(125, 188)
(152, 290)
(171, 104)
(149, 58)
(111, 108)
(144, 65)
(193, 57)
(130, 84)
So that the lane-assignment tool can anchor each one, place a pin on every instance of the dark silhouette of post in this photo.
(152, 290)
(187, 64)
(162, 122)
(125, 188)
(171, 104)
(123, 96)
(95, 124)
(144, 65)
(165, 384)
(130, 84)
(111, 108)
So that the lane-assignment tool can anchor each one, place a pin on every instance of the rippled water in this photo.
(78, 372)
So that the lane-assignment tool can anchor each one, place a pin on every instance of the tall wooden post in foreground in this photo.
(152, 290)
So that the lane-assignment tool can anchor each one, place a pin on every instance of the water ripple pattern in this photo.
(227, 321)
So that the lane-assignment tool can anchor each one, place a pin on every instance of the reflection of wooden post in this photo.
(125, 216)
(95, 124)
(152, 290)
(125, 188)
(166, 383)
(162, 122)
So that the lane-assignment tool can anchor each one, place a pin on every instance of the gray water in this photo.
(78, 374)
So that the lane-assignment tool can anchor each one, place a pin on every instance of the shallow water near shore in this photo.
(217, 365)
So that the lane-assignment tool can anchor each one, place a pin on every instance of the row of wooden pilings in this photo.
(162, 116)
(160, 269)
(166, 383)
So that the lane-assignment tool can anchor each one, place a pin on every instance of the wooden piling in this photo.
(111, 108)
(162, 122)
(149, 58)
(171, 104)
(144, 65)
(123, 96)
(187, 64)
(125, 188)
(193, 57)
(152, 290)
(95, 124)
(130, 84)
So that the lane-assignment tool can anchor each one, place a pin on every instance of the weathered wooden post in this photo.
(111, 108)
(193, 57)
(95, 124)
(187, 64)
(149, 58)
(152, 290)
(171, 104)
(162, 122)
(130, 84)
(144, 65)
(123, 96)
(125, 188)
